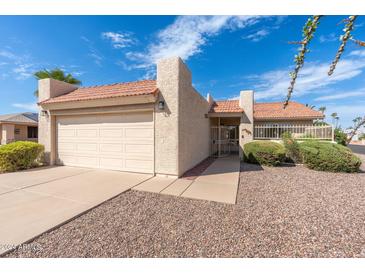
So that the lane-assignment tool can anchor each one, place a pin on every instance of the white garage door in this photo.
(111, 141)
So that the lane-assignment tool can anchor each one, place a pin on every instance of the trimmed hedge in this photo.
(264, 153)
(20, 155)
(324, 156)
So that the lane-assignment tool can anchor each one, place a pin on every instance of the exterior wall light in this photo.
(44, 113)
(161, 105)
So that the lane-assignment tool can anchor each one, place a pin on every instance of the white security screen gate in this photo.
(223, 140)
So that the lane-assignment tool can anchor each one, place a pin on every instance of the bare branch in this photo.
(308, 32)
(359, 42)
(349, 27)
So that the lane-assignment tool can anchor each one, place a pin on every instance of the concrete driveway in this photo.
(35, 201)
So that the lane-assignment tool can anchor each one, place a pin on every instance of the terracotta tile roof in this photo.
(294, 110)
(143, 87)
(265, 111)
(228, 106)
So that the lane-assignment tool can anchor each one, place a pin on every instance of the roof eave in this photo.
(288, 118)
(101, 102)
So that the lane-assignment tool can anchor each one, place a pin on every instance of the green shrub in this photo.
(264, 153)
(325, 156)
(291, 148)
(340, 137)
(20, 155)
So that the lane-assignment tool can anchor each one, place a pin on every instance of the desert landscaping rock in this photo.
(280, 212)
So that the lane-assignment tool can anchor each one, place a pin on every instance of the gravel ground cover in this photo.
(280, 212)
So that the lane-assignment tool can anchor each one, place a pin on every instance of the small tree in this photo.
(335, 119)
(322, 109)
(310, 106)
(358, 123)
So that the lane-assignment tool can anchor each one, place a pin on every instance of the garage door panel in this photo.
(139, 149)
(71, 121)
(87, 132)
(139, 133)
(87, 147)
(108, 147)
(119, 141)
(66, 147)
(67, 133)
(111, 133)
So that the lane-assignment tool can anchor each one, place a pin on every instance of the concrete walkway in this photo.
(219, 183)
(35, 201)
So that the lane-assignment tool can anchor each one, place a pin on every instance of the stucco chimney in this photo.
(49, 88)
(246, 102)
(171, 76)
(210, 100)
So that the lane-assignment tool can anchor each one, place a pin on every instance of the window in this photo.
(32, 132)
(16, 131)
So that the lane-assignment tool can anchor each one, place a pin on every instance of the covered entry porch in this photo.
(224, 135)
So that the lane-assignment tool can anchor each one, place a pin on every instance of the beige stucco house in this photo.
(18, 127)
(161, 126)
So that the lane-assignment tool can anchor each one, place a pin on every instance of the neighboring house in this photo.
(18, 127)
(161, 126)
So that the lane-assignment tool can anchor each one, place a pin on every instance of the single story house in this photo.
(18, 127)
(161, 126)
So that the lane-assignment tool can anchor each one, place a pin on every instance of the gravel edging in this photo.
(280, 212)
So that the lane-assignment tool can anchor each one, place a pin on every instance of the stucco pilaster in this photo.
(246, 127)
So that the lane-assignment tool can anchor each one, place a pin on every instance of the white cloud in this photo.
(119, 39)
(21, 67)
(9, 55)
(97, 57)
(186, 37)
(342, 95)
(312, 78)
(328, 38)
(26, 106)
(360, 53)
(258, 35)
(93, 52)
(23, 71)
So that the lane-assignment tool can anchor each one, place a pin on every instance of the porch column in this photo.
(246, 129)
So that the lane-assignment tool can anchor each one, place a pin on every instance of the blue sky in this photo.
(226, 54)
